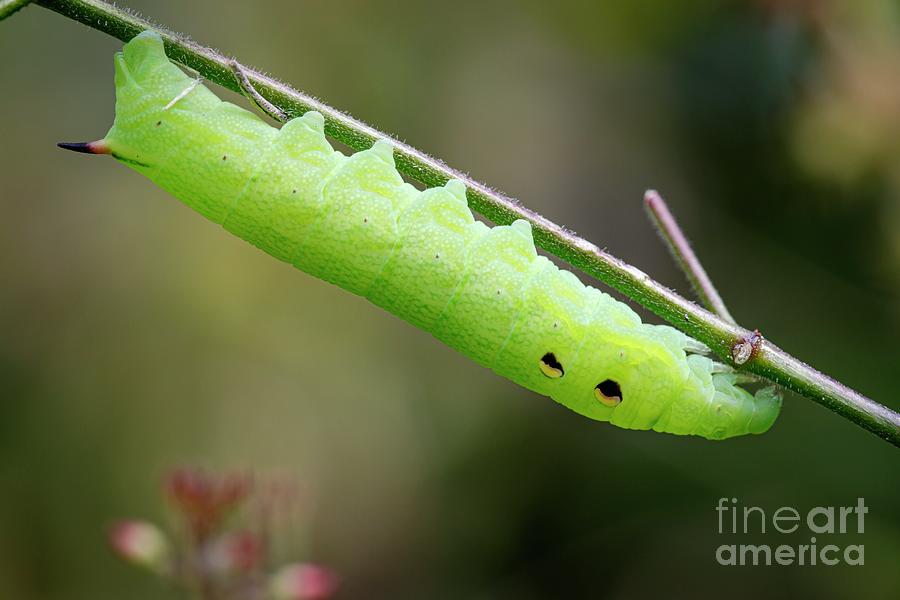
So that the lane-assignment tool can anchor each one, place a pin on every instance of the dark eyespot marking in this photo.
(158, 123)
(224, 157)
(293, 191)
(608, 392)
(550, 366)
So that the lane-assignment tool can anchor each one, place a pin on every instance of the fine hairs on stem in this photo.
(734, 344)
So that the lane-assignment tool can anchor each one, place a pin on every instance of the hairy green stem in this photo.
(727, 340)
(8, 7)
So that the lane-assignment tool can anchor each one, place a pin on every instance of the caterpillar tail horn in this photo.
(98, 147)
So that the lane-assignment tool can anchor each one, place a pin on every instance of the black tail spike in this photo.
(98, 147)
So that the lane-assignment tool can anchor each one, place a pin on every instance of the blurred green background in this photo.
(137, 337)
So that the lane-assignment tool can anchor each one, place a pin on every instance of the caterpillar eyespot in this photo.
(608, 392)
(550, 366)
(353, 221)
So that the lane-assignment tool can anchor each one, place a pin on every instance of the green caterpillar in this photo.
(353, 221)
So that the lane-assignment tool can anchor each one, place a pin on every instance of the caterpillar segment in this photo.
(353, 221)
(301, 162)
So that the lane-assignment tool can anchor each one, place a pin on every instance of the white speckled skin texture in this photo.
(421, 255)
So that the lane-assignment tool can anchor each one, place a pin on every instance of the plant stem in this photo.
(8, 7)
(721, 336)
(684, 255)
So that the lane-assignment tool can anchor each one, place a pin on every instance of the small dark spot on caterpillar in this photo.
(498, 292)
(158, 123)
(608, 392)
(550, 366)
(293, 191)
(437, 256)
(555, 325)
(224, 157)
(365, 219)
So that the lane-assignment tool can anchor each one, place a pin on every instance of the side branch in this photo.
(683, 253)
(721, 336)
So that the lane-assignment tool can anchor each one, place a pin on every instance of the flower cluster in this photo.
(212, 557)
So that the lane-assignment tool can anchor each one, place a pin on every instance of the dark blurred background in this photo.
(136, 336)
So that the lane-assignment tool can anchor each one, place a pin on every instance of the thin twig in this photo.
(678, 244)
(254, 96)
(766, 359)
(684, 255)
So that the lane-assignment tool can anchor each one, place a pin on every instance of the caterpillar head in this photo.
(646, 380)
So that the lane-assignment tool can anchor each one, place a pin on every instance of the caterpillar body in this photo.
(353, 221)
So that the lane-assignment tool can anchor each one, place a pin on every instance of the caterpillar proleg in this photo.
(353, 221)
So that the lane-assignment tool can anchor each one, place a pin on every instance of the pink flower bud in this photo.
(140, 543)
(304, 582)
